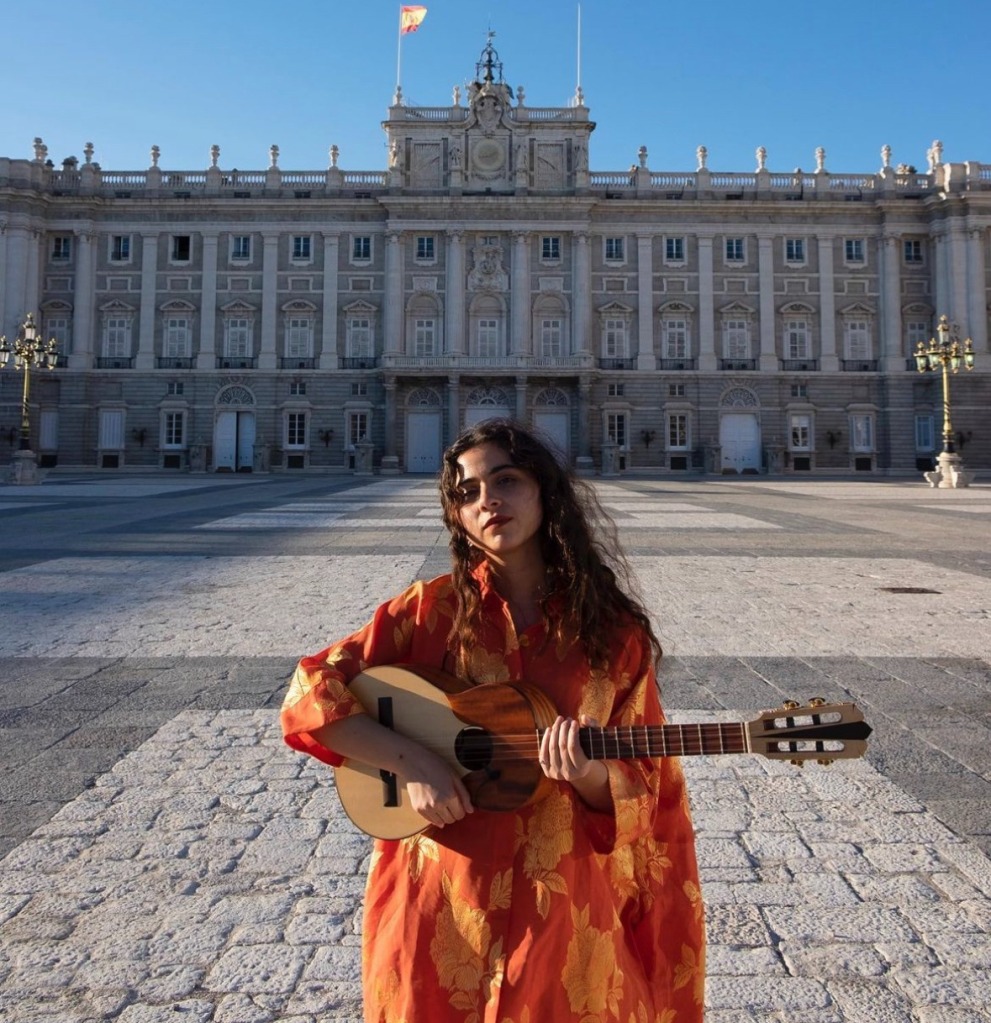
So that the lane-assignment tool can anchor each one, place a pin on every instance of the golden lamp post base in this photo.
(23, 469)
(949, 472)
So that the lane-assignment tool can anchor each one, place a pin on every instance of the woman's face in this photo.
(500, 505)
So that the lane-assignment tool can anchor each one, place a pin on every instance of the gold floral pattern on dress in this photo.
(387, 993)
(592, 979)
(691, 970)
(487, 666)
(419, 849)
(548, 837)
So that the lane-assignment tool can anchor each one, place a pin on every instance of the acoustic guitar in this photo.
(490, 734)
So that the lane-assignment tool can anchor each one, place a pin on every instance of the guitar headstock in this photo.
(821, 731)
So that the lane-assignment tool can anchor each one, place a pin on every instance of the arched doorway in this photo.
(739, 431)
(487, 403)
(552, 417)
(234, 430)
(423, 430)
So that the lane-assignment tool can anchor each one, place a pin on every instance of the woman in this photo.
(583, 905)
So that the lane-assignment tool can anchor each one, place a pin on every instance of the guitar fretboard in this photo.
(626, 743)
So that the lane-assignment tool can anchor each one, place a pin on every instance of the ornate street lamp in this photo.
(946, 352)
(29, 350)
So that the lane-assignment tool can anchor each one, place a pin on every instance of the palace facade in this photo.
(336, 320)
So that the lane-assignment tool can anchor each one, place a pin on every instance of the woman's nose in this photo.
(488, 497)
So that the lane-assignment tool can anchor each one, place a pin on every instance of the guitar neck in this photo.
(630, 742)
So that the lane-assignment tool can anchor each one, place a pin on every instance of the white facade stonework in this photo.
(341, 320)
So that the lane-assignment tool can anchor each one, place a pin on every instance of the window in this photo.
(175, 388)
(424, 337)
(425, 248)
(800, 390)
(120, 248)
(735, 252)
(925, 433)
(674, 339)
(615, 250)
(676, 390)
(736, 339)
(550, 248)
(614, 338)
(361, 248)
(794, 250)
(359, 337)
(862, 432)
(916, 332)
(177, 336)
(616, 428)
(301, 248)
(241, 246)
(62, 248)
(359, 389)
(858, 340)
(182, 247)
(299, 336)
(488, 338)
(117, 337)
(297, 389)
(797, 345)
(853, 250)
(296, 429)
(678, 430)
(912, 251)
(59, 328)
(550, 337)
(173, 429)
(801, 433)
(237, 338)
(674, 250)
(111, 435)
(615, 390)
(357, 427)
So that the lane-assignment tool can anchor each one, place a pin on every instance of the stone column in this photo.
(581, 293)
(454, 309)
(32, 282)
(959, 306)
(4, 269)
(390, 460)
(977, 317)
(828, 360)
(765, 265)
(206, 356)
(521, 399)
(583, 463)
(708, 359)
(941, 259)
(267, 358)
(520, 340)
(328, 327)
(891, 348)
(646, 360)
(16, 279)
(83, 298)
(392, 318)
(146, 317)
(453, 408)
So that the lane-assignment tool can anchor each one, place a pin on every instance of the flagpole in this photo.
(399, 48)
(579, 82)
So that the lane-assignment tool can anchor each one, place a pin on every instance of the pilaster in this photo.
(890, 341)
(82, 321)
(454, 309)
(828, 360)
(520, 341)
(145, 358)
(581, 291)
(708, 360)
(206, 356)
(392, 317)
(646, 360)
(328, 339)
(765, 267)
(267, 358)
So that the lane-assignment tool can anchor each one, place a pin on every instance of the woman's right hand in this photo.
(435, 791)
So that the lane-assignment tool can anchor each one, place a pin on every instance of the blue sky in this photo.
(849, 75)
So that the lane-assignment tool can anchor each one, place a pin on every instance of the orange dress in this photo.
(554, 912)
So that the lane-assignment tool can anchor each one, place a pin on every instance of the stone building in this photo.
(339, 320)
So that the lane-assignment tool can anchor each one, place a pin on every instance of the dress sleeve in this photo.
(634, 784)
(318, 691)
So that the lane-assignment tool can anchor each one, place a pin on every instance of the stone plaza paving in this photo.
(166, 857)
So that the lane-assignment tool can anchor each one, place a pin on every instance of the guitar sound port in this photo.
(473, 748)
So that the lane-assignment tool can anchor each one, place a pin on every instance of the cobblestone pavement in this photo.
(166, 857)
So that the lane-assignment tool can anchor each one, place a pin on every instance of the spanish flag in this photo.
(410, 18)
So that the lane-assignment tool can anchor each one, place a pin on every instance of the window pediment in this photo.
(360, 308)
(858, 310)
(675, 308)
(798, 308)
(238, 309)
(177, 305)
(738, 309)
(117, 308)
(615, 311)
(299, 307)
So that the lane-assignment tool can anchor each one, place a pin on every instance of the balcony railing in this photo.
(292, 362)
(236, 362)
(799, 365)
(617, 363)
(486, 362)
(858, 365)
(174, 362)
(115, 362)
(737, 365)
(676, 364)
(364, 362)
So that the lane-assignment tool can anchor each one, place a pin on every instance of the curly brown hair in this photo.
(591, 592)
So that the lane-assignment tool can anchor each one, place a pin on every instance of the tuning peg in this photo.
(798, 763)
(790, 705)
(817, 701)
(825, 763)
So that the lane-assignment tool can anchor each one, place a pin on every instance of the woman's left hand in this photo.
(561, 756)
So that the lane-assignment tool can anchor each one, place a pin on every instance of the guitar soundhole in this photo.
(473, 748)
